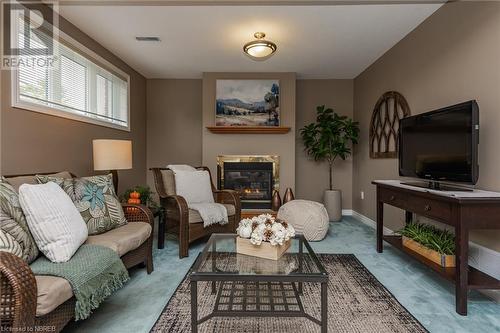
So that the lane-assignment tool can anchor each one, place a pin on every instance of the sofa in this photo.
(28, 301)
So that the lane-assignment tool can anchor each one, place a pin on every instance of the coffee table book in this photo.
(264, 250)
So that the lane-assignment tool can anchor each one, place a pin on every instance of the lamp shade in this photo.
(112, 154)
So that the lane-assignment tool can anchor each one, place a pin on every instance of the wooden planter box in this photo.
(434, 256)
(264, 250)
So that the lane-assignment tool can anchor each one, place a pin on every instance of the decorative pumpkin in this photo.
(134, 201)
(135, 195)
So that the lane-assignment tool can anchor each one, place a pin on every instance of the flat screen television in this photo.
(441, 145)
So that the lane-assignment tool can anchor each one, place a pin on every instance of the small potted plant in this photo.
(264, 236)
(435, 244)
(328, 139)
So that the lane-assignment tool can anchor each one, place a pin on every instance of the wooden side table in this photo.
(159, 212)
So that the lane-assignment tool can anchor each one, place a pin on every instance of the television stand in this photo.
(462, 213)
(438, 186)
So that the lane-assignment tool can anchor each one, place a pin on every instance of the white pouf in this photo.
(309, 218)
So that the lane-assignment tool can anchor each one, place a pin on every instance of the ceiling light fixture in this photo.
(259, 49)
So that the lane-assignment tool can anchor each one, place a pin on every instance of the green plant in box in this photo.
(441, 241)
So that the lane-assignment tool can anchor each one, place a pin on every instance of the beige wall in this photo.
(252, 144)
(451, 57)
(174, 123)
(34, 142)
(311, 177)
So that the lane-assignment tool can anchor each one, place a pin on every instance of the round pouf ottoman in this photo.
(309, 218)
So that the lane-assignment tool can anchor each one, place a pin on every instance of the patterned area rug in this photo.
(357, 302)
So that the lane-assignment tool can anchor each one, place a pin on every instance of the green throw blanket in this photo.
(94, 272)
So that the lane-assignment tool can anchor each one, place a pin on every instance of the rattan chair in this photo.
(18, 289)
(184, 222)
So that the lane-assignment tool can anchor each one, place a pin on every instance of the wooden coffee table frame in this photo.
(265, 286)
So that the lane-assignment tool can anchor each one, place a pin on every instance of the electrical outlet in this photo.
(362, 195)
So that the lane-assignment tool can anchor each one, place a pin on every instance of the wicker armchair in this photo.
(18, 288)
(185, 222)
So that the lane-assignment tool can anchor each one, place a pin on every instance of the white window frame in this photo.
(87, 53)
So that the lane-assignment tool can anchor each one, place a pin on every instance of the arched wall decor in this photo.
(384, 125)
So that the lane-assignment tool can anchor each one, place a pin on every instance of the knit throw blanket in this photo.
(94, 273)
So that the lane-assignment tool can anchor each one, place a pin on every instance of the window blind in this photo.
(75, 84)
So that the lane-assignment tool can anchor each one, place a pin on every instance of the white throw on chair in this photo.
(309, 218)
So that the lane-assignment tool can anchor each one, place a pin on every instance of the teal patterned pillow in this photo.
(95, 199)
(15, 236)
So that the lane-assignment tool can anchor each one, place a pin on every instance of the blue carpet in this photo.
(426, 295)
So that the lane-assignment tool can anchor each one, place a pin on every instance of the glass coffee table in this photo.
(246, 286)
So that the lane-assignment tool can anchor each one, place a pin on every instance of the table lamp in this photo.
(112, 155)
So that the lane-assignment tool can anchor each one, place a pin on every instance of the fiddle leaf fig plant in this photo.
(330, 137)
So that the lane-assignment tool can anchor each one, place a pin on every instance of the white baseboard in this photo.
(480, 257)
(369, 222)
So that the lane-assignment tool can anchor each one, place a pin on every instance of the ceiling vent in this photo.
(147, 39)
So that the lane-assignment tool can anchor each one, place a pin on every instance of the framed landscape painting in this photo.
(247, 103)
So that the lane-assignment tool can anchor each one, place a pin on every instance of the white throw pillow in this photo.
(194, 186)
(55, 223)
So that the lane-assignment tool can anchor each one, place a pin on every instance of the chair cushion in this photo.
(54, 221)
(194, 216)
(52, 291)
(123, 239)
(168, 181)
(18, 181)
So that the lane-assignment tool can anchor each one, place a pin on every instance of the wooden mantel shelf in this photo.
(248, 130)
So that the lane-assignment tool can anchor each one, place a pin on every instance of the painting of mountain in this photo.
(247, 103)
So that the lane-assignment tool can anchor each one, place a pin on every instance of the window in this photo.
(77, 86)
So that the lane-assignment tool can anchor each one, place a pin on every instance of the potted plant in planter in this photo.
(327, 139)
(435, 244)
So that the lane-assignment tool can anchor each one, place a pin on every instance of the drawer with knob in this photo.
(438, 210)
(393, 198)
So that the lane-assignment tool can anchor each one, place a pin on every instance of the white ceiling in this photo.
(337, 41)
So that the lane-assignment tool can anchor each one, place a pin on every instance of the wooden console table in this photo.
(462, 213)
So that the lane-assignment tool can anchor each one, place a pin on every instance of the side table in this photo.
(159, 212)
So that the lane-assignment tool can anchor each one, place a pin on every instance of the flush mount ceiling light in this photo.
(259, 49)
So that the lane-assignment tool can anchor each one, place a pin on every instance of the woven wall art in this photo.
(384, 125)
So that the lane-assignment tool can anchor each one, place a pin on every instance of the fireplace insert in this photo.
(253, 180)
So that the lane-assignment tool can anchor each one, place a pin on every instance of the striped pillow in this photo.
(56, 225)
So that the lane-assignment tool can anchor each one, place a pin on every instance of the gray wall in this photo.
(311, 177)
(174, 123)
(451, 57)
(33, 142)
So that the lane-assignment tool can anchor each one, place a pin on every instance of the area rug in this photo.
(357, 302)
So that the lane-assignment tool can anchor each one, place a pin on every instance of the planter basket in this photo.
(264, 250)
(434, 256)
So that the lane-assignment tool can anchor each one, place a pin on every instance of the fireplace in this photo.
(253, 177)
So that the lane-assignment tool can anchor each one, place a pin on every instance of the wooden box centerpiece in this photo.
(264, 236)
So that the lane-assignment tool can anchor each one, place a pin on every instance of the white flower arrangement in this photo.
(265, 228)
